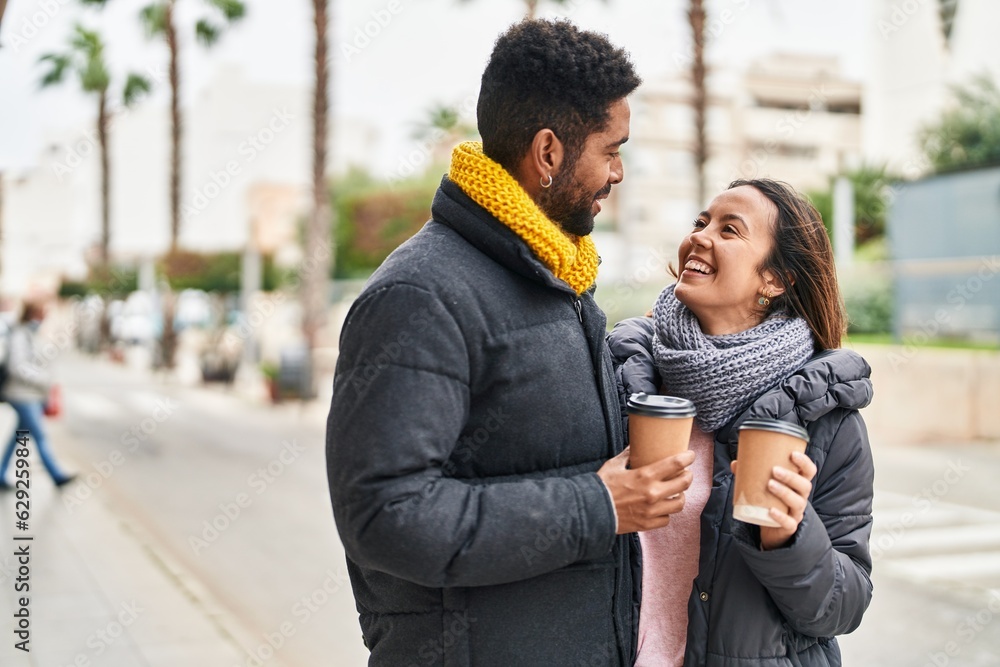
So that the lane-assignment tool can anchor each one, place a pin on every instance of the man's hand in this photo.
(645, 498)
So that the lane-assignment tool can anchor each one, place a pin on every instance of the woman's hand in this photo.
(793, 489)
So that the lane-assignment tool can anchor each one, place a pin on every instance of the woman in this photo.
(27, 389)
(751, 329)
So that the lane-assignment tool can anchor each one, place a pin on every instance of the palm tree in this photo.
(319, 240)
(159, 21)
(85, 58)
(696, 19)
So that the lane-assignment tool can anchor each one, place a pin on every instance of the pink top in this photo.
(670, 565)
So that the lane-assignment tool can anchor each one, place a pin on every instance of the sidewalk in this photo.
(100, 592)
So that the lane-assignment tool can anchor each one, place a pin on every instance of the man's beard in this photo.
(569, 207)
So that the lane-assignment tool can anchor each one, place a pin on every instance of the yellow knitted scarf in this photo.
(492, 187)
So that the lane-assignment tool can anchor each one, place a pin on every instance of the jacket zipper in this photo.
(579, 309)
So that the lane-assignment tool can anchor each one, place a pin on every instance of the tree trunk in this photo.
(104, 326)
(532, 8)
(1, 216)
(696, 18)
(318, 251)
(175, 128)
(168, 341)
(102, 137)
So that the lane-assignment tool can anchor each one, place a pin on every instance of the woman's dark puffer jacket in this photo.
(753, 608)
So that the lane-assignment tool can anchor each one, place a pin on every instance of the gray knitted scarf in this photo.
(724, 374)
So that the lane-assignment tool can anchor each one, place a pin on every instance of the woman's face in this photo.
(719, 260)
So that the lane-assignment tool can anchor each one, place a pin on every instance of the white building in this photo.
(789, 117)
(919, 50)
(241, 141)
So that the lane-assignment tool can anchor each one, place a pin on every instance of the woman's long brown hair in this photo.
(802, 259)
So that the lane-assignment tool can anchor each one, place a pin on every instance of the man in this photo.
(474, 407)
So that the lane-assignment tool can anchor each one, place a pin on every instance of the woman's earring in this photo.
(765, 299)
(544, 184)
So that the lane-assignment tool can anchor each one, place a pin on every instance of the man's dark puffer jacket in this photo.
(474, 402)
(780, 608)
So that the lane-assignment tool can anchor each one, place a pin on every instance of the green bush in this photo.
(72, 288)
(869, 304)
(373, 218)
(967, 135)
(215, 272)
(873, 187)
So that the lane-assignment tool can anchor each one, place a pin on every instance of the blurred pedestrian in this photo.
(27, 389)
(750, 330)
(474, 407)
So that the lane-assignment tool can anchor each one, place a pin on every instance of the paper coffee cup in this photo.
(764, 444)
(658, 427)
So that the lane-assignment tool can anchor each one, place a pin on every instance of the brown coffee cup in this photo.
(658, 427)
(764, 444)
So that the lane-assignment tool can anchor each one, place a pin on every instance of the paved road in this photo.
(270, 556)
(936, 546)
(235, 493)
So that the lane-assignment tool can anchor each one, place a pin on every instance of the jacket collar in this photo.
(830, 380)
(453, 208)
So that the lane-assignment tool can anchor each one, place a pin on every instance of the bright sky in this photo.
(423, 52)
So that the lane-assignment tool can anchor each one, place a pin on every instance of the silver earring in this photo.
(544, 184)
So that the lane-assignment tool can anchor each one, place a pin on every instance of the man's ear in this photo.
(543, 161)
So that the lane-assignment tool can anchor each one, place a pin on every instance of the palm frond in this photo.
(94, 77)
(154, 18)
(135, 87)
(57, 70)
(87, 42)
(233, 10)
(207, 32)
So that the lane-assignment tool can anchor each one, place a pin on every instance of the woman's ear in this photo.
(772, 285)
